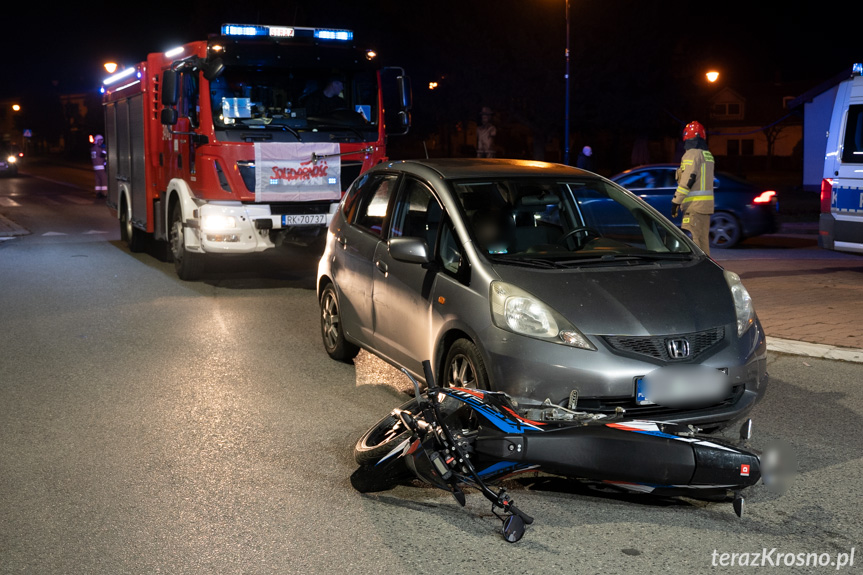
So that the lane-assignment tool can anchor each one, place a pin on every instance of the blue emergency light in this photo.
(250, 30)
(343, 35)
(857, 68)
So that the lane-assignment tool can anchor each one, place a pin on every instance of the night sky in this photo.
(629, 59)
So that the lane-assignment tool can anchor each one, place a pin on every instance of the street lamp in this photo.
(111, 67)
(712, 76)
(566, 107)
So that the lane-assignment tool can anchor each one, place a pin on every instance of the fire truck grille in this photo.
(657, 347)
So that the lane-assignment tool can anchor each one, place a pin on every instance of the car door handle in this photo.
(341, 240)
(381, 266)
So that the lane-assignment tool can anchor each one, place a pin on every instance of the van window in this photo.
(852, 151)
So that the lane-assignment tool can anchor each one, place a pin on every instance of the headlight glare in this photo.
(215, 222)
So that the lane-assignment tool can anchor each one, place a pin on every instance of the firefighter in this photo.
(694, 192)
(98, 156)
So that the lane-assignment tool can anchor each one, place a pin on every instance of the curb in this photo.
(814, 350)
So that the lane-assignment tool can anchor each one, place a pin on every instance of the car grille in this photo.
(609, 405)
(656, 347)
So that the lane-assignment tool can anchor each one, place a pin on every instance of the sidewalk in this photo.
(811, 307)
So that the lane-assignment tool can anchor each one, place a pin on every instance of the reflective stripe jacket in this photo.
(695, 182)
(97, 155)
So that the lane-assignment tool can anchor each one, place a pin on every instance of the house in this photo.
(756, 131)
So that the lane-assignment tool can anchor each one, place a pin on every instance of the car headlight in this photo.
(12, 159)
(742, 302)
(515, 310)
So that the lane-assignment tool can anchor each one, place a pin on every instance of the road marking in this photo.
(54, 234)
(9, 203)
(91, 232)
(814, 349)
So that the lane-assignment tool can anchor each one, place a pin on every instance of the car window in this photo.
(531, 219)
(654, 179)
(852, 150)
(417, 213)
(451, 255)
(372, 205)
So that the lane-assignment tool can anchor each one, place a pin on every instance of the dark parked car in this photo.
(742, 210)
(539, 280)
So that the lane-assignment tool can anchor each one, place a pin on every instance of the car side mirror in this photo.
(410, 250)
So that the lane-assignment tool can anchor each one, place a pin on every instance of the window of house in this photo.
(733, 148)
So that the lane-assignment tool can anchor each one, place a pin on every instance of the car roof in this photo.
(461, 168)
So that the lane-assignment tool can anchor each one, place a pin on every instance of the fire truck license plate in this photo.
(304, 220)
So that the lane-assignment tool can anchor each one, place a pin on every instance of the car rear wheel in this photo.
(332, 333)
(724, 230)
(464, 366)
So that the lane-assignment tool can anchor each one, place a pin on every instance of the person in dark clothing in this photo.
(328, 100)
(585, 159)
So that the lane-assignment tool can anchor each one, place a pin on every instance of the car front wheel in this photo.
(464, 366)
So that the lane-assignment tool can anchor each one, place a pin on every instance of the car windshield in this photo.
(565, 222)
(295, 100)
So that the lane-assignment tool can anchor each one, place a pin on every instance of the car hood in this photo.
(639, 300)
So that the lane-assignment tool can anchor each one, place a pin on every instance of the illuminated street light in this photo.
(433, 85)
(712, 76)
(111, 67)
(16, 108)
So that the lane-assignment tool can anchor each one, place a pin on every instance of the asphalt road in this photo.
(150, 425)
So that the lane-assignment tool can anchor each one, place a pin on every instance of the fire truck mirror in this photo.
(170, 92)
(169, 116)
(214, 69)
(405, 93)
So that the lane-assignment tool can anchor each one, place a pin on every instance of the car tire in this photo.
(725, 230)
(188, 265)
(464, 366)
(332, 334)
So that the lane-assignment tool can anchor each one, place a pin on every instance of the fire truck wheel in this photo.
(134, 238)
(188, 265)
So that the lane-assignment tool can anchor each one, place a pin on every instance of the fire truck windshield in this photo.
(306, 104)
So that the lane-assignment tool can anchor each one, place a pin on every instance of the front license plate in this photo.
(304, 220)
(641, 392)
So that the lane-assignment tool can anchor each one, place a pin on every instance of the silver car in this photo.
(538, 280)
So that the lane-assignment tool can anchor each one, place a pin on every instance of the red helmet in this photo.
(693, 129)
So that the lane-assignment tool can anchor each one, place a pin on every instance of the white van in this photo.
(841, 222)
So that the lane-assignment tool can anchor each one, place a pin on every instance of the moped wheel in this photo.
(383, 437)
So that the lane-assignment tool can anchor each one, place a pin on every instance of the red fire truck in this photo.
(234, 144)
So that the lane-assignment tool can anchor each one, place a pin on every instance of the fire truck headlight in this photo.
(215, 222)
(12, 159)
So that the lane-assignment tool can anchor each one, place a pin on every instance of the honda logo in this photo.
(678, 348)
